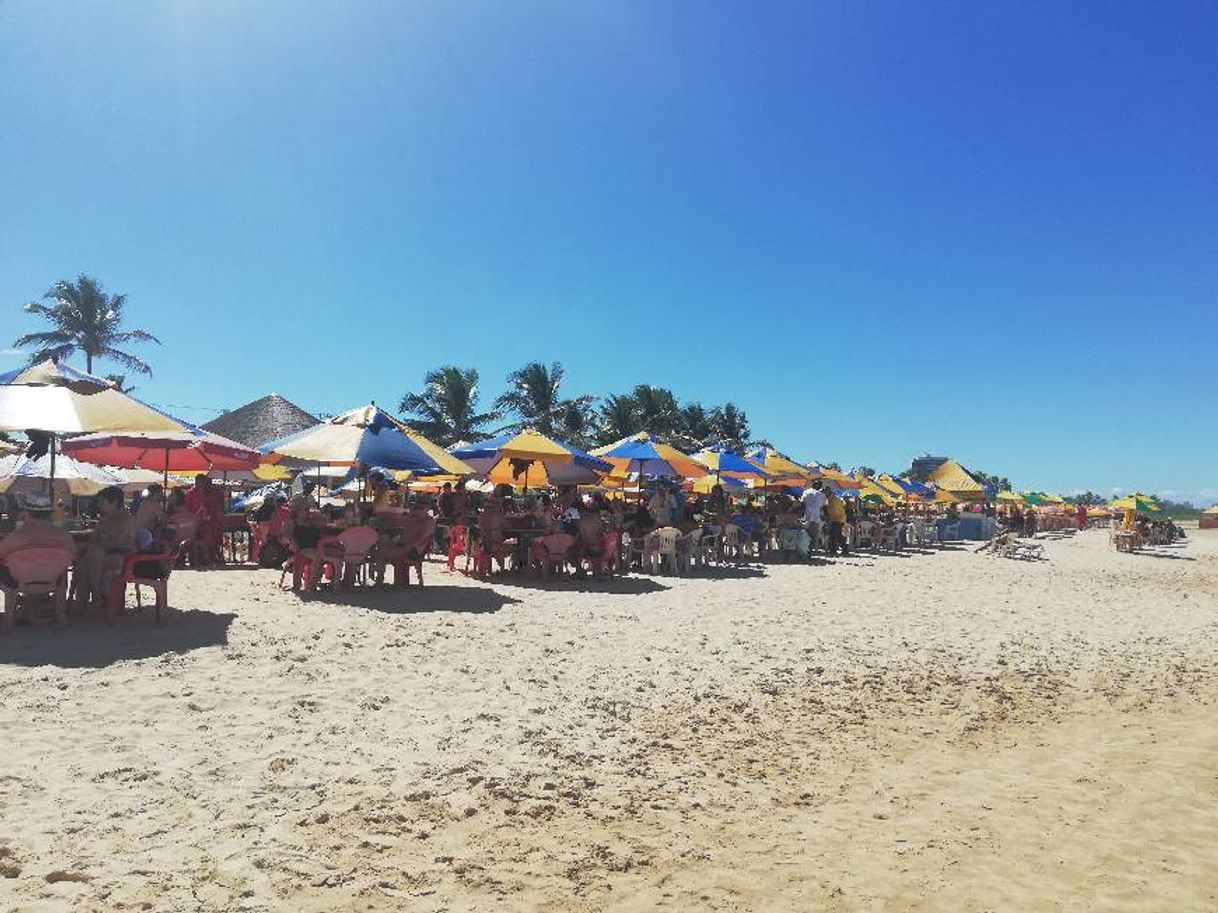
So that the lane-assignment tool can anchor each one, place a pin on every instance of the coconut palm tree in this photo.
(577, 423)
(534, 394)
(446, 410)
(85, 319)
(731, 426)
(617, 418)
(659, 412)
(694, 427)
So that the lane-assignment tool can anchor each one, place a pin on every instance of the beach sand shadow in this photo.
(625, 586)
(88, 642)
(415, 600)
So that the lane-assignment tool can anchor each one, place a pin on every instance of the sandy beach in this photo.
(941, 731)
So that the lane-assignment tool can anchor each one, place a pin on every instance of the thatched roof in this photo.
(262, 420)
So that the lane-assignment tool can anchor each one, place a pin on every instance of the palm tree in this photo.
(446, 410)
(658, 409)
(119, 383)
(618, 418)
(534, 395)
(87, 320)
(577, 423)
(731, 426)
(694, 427)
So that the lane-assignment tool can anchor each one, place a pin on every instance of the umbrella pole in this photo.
(165, 476)
(51, 480)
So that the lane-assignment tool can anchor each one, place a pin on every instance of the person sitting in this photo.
(589, 538)
(113, 538)
(150, 519)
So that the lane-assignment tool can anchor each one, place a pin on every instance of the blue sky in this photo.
(982, 229)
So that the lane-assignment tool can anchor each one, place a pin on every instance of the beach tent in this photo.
(952, 477)
(367, 435)
(529, 458)
(643, 454)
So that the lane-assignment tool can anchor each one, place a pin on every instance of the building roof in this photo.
(262, 420)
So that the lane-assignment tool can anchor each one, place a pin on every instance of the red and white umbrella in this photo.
(188, 451)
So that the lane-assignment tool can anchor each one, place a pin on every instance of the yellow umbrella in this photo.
(873, 487)
(1011, 497)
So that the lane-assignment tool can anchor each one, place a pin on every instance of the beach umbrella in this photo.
(1009, 497)
(57, 399)
(51, 399)
(1211, 511)
(190, 450)
(528, 457)
(1138, 502)
(19, 474)
(643, 454)
(706, 484)
(728, 463)
(908, 487)
(367, 435)
(835, 477)
(872, 491)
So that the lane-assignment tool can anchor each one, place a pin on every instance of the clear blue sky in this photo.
(982, 229)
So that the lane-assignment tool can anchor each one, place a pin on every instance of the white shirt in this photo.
(660, 507)
(813, 500)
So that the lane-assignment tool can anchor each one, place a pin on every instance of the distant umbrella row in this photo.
(66, 411)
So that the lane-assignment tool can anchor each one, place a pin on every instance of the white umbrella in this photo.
(20, 474)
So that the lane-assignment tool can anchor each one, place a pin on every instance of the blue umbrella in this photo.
(367, 435)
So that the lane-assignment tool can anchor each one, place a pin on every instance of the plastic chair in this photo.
(553, 552)
(951, 532)
(37, 572)
(607, 560)
(141, 569)
(732, 545)
(402, 563)
(345, 554)
(664, 554)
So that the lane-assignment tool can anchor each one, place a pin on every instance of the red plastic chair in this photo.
(37, 571)
(554, 550)
(403, 563)
(607, 560)
(458, 545)
(140, 576)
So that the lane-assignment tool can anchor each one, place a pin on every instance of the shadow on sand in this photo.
(88, 642)
(414, 600)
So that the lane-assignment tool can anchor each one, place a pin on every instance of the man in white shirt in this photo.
(814, 502)
(660, 507)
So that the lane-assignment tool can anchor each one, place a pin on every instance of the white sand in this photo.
(937, 732)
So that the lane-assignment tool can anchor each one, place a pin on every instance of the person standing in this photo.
(813, 500)
(835, 511)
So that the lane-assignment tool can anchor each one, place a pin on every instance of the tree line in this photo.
(448, 409)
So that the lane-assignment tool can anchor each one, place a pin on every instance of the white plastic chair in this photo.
(864, 534)
(665, 555)
(732, 545)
